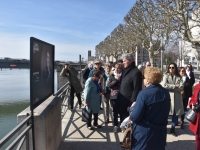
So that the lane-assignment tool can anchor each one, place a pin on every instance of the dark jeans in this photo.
(95, 123)
(123, 115)
(174, 118)
(115, 111)
(100, 100)
(185, 103)
(123, 105)
(78, 95)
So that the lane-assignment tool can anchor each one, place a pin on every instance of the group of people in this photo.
(145, 95)
(118, 84)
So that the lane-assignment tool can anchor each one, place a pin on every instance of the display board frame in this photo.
(42, 56)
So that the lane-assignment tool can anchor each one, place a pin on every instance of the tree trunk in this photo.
(151, 55)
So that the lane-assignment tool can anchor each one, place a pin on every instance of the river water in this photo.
(14, 97)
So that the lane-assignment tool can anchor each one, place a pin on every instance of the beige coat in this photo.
(175, 93)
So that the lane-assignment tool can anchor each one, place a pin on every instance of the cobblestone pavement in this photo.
(76, 136)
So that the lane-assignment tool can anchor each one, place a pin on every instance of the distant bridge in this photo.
(25, 63)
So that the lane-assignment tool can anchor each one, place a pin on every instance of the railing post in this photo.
(80, 67)
(27, 136)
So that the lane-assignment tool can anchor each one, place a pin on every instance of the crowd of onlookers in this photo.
(143, 93)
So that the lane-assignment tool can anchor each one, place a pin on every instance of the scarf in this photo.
(117, 74)
(188, 74)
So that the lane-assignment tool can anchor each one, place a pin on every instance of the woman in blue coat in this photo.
(150, 112)
(92, 97)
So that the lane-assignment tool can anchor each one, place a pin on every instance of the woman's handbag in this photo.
(191, 115)
(86, 114)
(114, 92)
(126, 142)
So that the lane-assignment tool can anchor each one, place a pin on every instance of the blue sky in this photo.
(73, 26)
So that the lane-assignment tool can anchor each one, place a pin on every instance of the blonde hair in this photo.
(153, 75)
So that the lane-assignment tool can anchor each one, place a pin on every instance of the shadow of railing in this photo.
(77, 136)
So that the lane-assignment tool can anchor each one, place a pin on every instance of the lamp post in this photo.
(136, 56)
(104, 57)
(161, 57)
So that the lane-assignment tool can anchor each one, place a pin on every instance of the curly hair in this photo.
(153, 75)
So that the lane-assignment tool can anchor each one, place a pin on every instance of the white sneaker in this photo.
(115, 129)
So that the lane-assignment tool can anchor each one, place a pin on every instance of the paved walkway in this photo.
(76, 136)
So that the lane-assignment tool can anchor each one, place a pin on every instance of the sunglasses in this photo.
(182, 70)
(171, 67)
(96, 63)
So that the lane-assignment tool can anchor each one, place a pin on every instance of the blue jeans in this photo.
(174, 119)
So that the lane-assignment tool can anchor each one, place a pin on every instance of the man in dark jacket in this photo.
(131, 84)
(71, 73)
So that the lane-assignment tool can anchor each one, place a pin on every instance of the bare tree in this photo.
(150, 25)
(186, 19)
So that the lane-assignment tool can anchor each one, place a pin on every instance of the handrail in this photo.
(14, 131)
(13, 144)
(19, 137)
(65, 101)
(61, 89)
(20, 143)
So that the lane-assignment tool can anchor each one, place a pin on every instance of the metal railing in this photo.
(64, 93)
(24, 135)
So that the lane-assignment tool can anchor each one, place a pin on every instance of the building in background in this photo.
(189, 54)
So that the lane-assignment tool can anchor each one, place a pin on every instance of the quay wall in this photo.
(47, 124)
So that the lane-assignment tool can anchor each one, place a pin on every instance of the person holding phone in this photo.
(71, 74)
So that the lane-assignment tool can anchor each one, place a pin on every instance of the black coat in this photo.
(131, 84)
(187, 88)
(191, 82)
(86, 74)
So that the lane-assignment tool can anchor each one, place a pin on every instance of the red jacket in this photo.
(194, 100)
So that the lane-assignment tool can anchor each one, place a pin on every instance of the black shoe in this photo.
(71, 109)
(172, 131)
(97, 126)
(101, 108)
(181, 124)
(90, 128)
